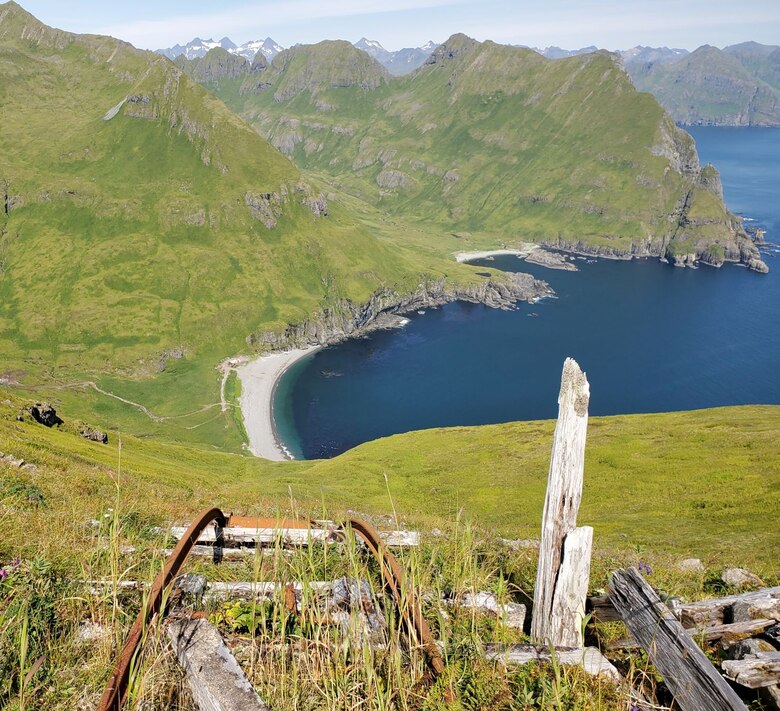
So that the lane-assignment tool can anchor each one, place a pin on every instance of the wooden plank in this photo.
(709, 634)
(572, 587)
(240, 536)
(690, 676)
(593, 661)
(216, 680)
(755, 670)
(554, 621)
(718, 610)
(218, 591)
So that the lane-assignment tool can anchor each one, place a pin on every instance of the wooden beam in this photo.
(556, 621)
(572, 588)
(240, 536)
(738, 630)
(589, 658)
(719, 610)
(755, 670)
(690, 676)
(216, 680)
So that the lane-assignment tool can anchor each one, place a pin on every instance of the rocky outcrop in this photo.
(43, 413)
(346, 319)
(94, 435)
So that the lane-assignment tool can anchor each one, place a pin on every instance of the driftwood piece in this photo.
(213, 674)
(755, 670)
(688, 673)
(555, 621)
(572, 587)
(591, 660)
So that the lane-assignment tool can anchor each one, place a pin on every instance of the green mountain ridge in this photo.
(736, 86)
(499, 141)
(141, 214)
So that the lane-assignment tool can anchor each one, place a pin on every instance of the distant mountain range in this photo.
(735, 86)
(397, 63)
(400, 62)
(198, 48)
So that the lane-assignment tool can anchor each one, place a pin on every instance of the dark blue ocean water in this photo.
(651, 338)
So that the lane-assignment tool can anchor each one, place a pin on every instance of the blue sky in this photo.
(613, 24)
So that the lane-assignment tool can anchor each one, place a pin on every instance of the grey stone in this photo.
(691, 565)
(739, 577)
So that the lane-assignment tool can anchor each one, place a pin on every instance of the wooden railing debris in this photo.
(755, 670)
(692, 679)
(591, 660)
(215, 679)
(236, 536)
(564, 551)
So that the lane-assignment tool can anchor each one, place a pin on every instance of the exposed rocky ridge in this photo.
(215, 65)
(346, 319)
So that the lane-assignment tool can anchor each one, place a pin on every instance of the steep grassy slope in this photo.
(736, 86)
(501, 142)
(703, 483)
(141, 220)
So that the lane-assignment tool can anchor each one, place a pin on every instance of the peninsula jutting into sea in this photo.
(400, 360)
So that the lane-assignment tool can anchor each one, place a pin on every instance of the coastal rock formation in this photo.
(347, 319)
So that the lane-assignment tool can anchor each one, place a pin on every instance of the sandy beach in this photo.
(469, 256)
(258, 381)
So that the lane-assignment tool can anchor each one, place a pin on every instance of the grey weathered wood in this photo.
(688, 673)
(572, 587)
(709, 634)
(554, 621)
(238, 536)
(755, 670)
(717, 610)
(216, 680)
(593, 661)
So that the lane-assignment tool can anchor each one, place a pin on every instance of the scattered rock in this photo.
(45, 414)
(551, 260)
(192, 585)
(94, 435)
(690, 565)
(92, 632)
(739, 577)
(349, 597)
(12, 461)
(512, 613)
(749, 646)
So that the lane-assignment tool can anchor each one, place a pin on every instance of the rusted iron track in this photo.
(116, 690)
(417, 628)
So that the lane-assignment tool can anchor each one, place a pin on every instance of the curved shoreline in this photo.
(259, 378)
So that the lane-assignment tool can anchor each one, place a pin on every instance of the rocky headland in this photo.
(347, 319)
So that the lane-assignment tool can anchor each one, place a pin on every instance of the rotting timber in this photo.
(417, 629)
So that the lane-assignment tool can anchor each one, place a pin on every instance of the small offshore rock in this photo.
(691, 565)
(739, 577)
(45, 414)
(94, 435)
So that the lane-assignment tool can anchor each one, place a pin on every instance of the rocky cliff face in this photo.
(347, 319)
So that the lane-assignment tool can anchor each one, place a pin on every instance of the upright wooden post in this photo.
(564, 552)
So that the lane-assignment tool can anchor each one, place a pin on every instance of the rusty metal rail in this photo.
(417, 629)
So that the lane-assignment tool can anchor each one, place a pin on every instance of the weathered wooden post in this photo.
(564, 552)
(686, 670)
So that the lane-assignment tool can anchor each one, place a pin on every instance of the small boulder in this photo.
(45, 414)
(739, 577)
(691, 565)
(94, 435)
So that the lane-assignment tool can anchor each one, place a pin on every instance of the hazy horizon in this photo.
(406, 23)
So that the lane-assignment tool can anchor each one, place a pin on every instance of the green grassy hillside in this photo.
(501, 143)
(702, 483)
(142, 222)
(736, 86)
